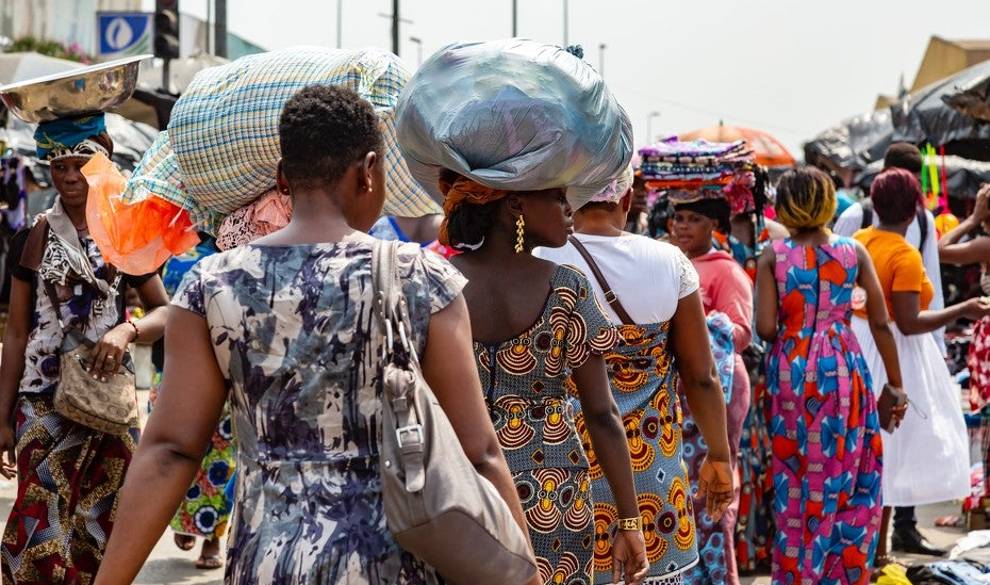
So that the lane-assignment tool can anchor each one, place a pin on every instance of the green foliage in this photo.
(55, 49)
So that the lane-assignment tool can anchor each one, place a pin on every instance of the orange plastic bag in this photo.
(138, 237)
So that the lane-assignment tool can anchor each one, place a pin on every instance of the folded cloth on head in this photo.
(617, 188)
(267, 214)
(513, 115)
(70, 137)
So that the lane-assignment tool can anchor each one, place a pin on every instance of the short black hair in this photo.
(323, 129)
(903, 155)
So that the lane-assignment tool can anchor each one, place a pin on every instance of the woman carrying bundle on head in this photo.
(65, 298)
(824, 426)
(655, 301)
(538, 128)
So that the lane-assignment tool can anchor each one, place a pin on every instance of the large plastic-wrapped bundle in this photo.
(516, 115)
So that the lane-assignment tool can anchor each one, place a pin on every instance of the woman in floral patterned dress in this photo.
(283, 324)
(824, 425)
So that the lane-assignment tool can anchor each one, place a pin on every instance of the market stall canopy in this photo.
(940, 113)
(770, 152)
(853, 143)
(964, 176)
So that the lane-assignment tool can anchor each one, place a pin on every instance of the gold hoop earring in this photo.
(520, 234)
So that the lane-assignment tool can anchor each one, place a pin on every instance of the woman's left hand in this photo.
(108, 354)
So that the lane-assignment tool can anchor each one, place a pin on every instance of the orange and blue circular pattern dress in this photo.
(524, 380)
(824, 426)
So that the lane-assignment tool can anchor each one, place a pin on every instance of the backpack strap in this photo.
(610, 298)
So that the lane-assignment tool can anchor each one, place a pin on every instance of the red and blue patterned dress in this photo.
(824, 426)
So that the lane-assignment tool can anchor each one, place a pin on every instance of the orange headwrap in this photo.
(462, 191)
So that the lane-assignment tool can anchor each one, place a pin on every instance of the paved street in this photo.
(168, 565)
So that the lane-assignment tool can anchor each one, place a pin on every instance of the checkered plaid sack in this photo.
(222, 148)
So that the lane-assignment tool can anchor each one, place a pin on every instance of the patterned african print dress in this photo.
(524, 380)
(68, 475)
(290, 329)
(644, 384)
(205, 510)
(824, 425)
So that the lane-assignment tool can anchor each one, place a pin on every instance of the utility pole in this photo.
(515, 18)
(396, 19)
(395, 27)
(601, 59)
(566, 35)
(220, 29)
(340, 22)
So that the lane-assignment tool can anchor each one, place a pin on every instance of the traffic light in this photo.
(167, 29)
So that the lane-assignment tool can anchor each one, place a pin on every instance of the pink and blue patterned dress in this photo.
(824, 426)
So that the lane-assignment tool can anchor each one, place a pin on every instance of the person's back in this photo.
(290, 326)
(815, 285)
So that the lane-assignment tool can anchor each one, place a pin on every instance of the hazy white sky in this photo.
(791, 67)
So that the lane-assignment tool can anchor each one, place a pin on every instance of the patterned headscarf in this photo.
(617, 189)
(70, 137)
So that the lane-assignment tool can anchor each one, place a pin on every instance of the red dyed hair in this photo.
(896, 195)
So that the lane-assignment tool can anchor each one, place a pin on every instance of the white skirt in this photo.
(926, 460)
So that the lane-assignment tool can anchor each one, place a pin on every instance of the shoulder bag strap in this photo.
(610, 298)
(390, 313)
(922, 216)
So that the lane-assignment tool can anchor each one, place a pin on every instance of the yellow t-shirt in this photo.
(898, 264)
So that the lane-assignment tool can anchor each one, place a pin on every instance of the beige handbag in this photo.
(108, 407)
(437, 506)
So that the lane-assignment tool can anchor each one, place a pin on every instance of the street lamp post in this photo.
(340, 23)
(601, 59)
(649, 126)
(419, 49)
(515, 18)
(566, 31)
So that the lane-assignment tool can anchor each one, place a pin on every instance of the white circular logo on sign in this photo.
(119, 34)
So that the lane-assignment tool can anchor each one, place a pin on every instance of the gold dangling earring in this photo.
(520, 234)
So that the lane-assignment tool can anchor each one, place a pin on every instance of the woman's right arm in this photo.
(876, 310)
(12, 369)
(171, 448)
(696, 369)
(450, 370)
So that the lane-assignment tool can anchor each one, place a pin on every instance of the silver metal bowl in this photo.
(72, 93)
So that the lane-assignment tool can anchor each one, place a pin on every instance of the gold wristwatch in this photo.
(630, 524)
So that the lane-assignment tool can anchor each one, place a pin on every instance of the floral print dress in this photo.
(524, 380)
(824, 426)
(290, 328)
